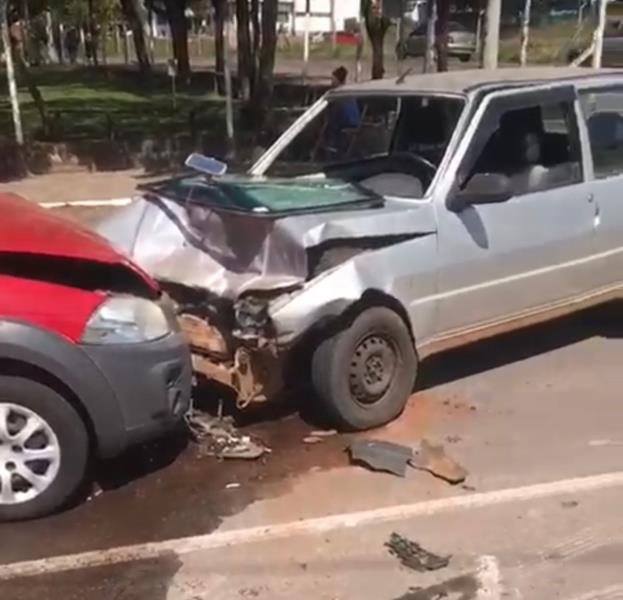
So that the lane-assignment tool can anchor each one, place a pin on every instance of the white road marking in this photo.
(601, 443)
(612, 592)
(489, 577)
(222, 539)
(87, 203)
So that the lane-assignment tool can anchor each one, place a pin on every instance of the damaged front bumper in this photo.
(245, 358)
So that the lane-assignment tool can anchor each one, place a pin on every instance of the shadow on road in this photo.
(478, 357)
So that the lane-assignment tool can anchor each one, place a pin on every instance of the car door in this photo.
(603, 111)
(499, 260)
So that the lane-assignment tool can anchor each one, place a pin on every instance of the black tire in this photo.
(465, 57)
(72, 438)
(365, 374)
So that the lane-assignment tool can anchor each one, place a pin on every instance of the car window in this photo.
(536, 147)
(604, 120)
(349, 129)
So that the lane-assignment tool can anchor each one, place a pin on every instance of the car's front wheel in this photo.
(364, 374)
(43, 449)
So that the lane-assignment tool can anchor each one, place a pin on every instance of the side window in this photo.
(603, 111)
(537, 147)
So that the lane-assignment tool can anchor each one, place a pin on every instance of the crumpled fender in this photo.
(409, 271)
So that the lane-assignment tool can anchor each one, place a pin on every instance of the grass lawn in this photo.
(82, 97)
(82, 101)
(548, 44)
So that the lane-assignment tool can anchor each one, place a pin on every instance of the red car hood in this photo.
(26, 228)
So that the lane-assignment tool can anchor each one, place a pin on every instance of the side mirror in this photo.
(482, 188)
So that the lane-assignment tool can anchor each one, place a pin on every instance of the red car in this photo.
(91, 357)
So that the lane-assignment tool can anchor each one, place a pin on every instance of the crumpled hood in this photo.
(28, 229)
(228, 253)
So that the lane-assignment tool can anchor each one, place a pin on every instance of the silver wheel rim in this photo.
(30, 455)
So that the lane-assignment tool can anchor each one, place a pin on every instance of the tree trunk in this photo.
(219, 43)
(92, 29)
(10, 74)
(441, 38)
(255, 28)
(49, 33)
(378, 59)
(376, 26)
(245, 65)
(133, 12)
(525, 33)
(35, 94)
(176, 15)
(264, 86)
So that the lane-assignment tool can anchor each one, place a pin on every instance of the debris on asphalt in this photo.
(96, 492)
(412, 555)
(232, 486)
(322, 433)
(569, 503)
(435, 460)
(312, 439)
(219, 437)
(380, 455)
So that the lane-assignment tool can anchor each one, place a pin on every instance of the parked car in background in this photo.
(461, 42)
(457, 206)
(91, 358)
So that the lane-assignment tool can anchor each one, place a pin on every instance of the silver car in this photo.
(461, 42)
(394, 219)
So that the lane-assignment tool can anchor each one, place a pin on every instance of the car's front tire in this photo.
(43, 449)
(364, 374)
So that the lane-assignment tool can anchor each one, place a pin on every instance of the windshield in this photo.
(397, 140)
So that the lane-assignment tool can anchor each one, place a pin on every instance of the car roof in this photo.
(470, 80)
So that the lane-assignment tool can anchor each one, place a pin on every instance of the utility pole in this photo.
(306, 37)
(333, 29)
(10, 73)
(360, 43)
(431, 23)
(400, 35)
(492, 35)
(525, 33)
(229, 102)
(598, 36)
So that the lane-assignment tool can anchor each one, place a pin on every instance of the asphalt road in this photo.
(537, 407)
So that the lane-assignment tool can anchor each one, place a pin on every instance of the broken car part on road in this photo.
(413, 556)
(219, 437)
(381, 455)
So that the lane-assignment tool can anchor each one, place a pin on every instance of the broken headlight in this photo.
(251, 316)
(125, 320)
